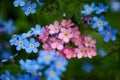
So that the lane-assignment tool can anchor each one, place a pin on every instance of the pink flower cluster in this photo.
(62, 36)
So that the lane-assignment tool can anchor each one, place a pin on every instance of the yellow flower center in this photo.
(47, 58)
(89, 9)
(89, 51)
(99, 22)
(81, 51)
(59, 64)
(66, 34)
(20, 43)
(55, 28)
(52, 73)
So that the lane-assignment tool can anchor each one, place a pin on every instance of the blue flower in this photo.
(8, 27)
(87, 67)
(60, 64)
(29, 8)
(38, 30)
(17, 3)
(115, 5)
(31, 66)
(88, 9)
(27, 35)
(20, 43)
(102, 52)
(25, 65)
(26, 77)
(51, 74)
(46, 57)
(99, 23)
(31, 46)
(6, 55)
(109, 33)
(13, 40)
(101, 8)
(7, 76)
(40, 3)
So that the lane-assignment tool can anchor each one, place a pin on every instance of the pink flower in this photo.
(75, 32)
(67, 23)
(46, 47)
(69, 52)
(91, 52)
(65, 35)
(44, 36)
(57, 44)
(54, 28)
(80, 51)
(77, 41)
(89, 41)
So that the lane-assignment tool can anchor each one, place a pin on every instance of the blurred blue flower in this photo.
(6, 55)
(20, 43)
(109, 33)
(101, 8)
(7, 76)
(99, 23)
(17, 3)
(38, 30)
(13, 40)
(87, 67)
(31, 46)
(29, 8)
(115, 5)
(27, 35)
(31, 66)
(8, 27)
(51, 74)
(26, 77)
(40, 3)
(60, 64)
(46, 57)
(102, 52)
(25, 65)
(88, 9)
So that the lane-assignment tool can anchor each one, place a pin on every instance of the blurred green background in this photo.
(105, 68)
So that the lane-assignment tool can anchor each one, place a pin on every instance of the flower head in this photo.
(31, 45)
(7, 76)
(109, 34)
(88, 9)
(69, 52)
(57, 44)
(40, 3)
(87, 67)
(99, 23)
(8, 27)
(17, 3)
(67, 23)
(54, 28)
(20, 43)
(101, 8)
(38, 30)
(29, 8)
(46, 57)
(60, 64)
(91, 52)
(51, 74)
(80, 51)
(65, 35)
